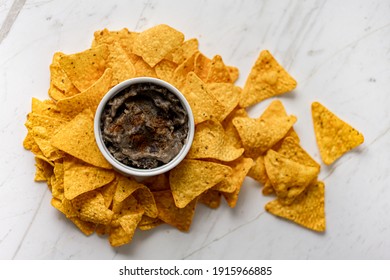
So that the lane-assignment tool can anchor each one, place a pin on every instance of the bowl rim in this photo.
(137, 172)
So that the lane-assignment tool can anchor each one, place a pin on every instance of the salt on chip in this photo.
(193, 177)
(308, 210)
(155, 43)
(80, 177)
(259, 135)
(218, 72)
(77, 139)
(334, 136)
(235, 180)
(181, 218)
(85, 68)
(210, 142)
(288, 178)
(266, 79)
(203, 104)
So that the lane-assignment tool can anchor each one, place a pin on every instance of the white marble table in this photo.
(339, 52)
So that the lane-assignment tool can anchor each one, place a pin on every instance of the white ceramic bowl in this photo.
(137, 172)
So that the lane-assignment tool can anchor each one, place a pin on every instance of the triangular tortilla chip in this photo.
(227, 94)
(218, 72)
(203, 104)
(288, 178)
(77, 139)
(231, 186)
(266, 79)
(211, 198)
(202, 66)
(80, 177)
(193, 177)
(181, 218)
(187, 49)
(155, 43)
(90, 98)
(259, 135)
(308, 209)
(210, 142)
(334, 136)
(121, 65)
(124, 37)
(85, 68)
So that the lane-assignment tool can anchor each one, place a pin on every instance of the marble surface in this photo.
(339, 52)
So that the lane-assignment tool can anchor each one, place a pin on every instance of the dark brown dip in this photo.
(144, 126)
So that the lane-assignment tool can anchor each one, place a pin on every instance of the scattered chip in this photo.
(308, 209)
(266, 79)
(259, 135)
(218, 72)
(334, 136)
(288, 178)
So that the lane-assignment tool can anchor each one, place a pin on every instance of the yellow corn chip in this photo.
(233, 138)
(120, 63)
(80, 178)
(43, 171)
(203, 104)
(77, 139)
(210, 142)
(308, 209)
(187, 49)
(266, 79)
(155, 43)
(234, 73)
(258, 171)
(218, 72)
(86, 67)
(90, 98)
(193, 177)
(201, 66)
(227, 94)
(234, 180)
(181, 218)
(211, 198)
(148, 223)
(258, 135)
(108, 191)
(124, 37)
(165, 69)
(181, 72)
(334, 136)
(292, 150)
(288, 178)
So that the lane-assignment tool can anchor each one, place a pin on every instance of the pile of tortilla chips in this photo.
(228, 144)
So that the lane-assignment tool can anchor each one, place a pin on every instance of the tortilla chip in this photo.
(308, 209)
(292, 150)
(77, 139)
(181, 218)
(266, 79)
(85, 68)
(218, 72)
(234, 73)
(203, 104)
(288, 178)
(142, 69)
(259, 135)
(80, 178)
(124, 37)
(193, 177)
(232, 136)
(122, 67)
(155, 43)
(148, 223)
(43, 171)
(123, 233)
(227, 94)
(90, 98)
(180, 74)
(91, 207)
(202, 66)
(186, 50)
(258, 171)
(334, 136)
(210, 198)
(210, 142)
(235, 180)
(165, 69)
